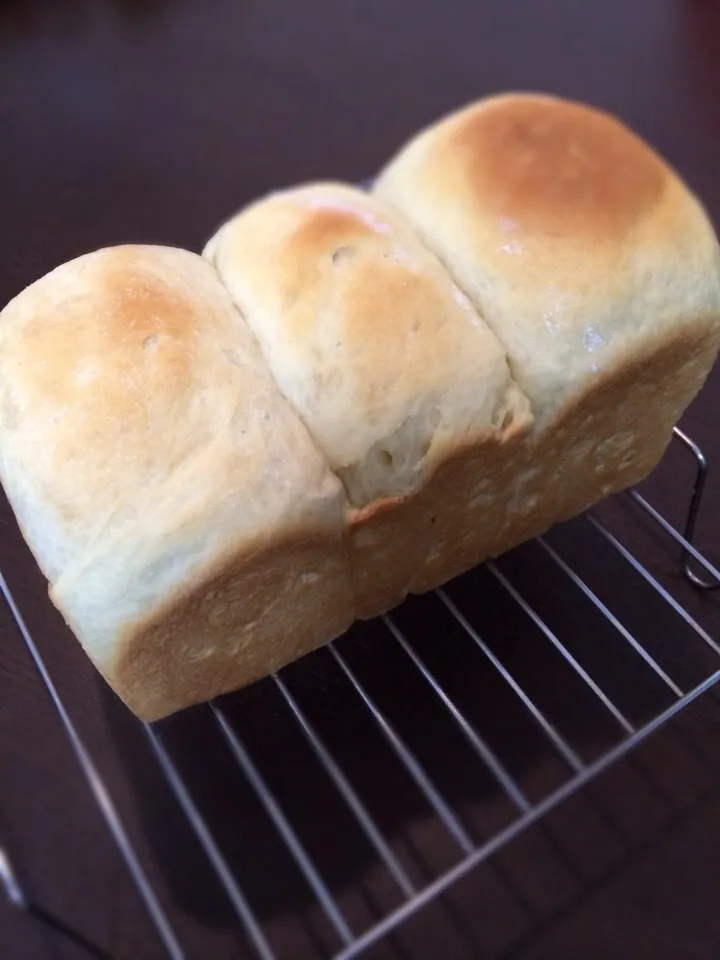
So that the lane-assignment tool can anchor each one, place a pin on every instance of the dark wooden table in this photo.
(150, 120)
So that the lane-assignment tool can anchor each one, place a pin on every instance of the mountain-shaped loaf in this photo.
(220, 462)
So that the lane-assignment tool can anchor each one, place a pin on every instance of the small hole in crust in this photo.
(150, 341)
(386, 458)
(232, 356)
(342, 254)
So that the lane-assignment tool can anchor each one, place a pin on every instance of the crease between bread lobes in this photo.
(219, 463)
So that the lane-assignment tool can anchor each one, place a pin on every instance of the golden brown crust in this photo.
(554, 166)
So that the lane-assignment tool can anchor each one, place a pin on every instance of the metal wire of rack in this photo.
(526, 807)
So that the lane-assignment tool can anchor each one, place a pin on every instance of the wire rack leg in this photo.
(18, 898)
(694, 508)
(9, 882)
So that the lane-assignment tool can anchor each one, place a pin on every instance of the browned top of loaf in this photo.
(556, 166)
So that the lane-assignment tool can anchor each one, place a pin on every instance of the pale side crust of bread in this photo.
(468, 509)
(595, 448)
(596, 268)
(384, 359)
(260, 610)
(610, 438)
(416, 544)
(159, 477)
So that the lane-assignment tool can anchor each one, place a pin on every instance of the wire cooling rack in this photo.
(522, 712)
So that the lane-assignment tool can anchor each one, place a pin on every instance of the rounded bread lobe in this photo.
(381, 354)
(122, 371)
(572, 238)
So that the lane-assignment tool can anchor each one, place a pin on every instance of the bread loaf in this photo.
(191, 532)
(596, 268)
(402, 386)
(219, 463)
